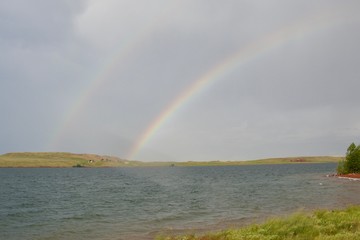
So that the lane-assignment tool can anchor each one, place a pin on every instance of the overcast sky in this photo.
(90, 76)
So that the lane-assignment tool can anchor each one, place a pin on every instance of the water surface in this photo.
(138, 203)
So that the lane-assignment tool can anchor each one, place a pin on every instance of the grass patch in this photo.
(320, 225)
(60, 159)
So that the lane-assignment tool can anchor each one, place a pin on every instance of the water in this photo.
(139, 203)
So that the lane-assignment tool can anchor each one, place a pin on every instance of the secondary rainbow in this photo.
(126, 49)
(226, 66)
(87, 93)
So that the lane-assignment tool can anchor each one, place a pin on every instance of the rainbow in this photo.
(232, 62)
(100, 79)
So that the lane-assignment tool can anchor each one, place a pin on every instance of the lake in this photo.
(139, 203)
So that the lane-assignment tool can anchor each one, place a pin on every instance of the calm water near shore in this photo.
(139, 203)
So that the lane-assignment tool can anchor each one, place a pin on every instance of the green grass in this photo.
(320, 225)
(61, 159)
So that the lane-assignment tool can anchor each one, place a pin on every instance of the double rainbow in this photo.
(218, 72)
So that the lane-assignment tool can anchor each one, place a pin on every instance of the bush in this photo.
(78, 165)
(341, 168)
(351, 164)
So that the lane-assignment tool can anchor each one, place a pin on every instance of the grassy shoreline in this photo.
(319, 225)
(64, 160)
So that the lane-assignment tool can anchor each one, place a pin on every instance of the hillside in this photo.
(287, 160)
(62, 159)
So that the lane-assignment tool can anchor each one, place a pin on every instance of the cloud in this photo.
(37, 22)
(38, 68)
(127, 60)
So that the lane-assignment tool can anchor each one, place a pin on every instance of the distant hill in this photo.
(61, 159)
(64, 159)
(285, 160)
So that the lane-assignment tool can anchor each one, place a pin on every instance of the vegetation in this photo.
(351, 164)
(60, 159)
(78, 165)
(321, 225)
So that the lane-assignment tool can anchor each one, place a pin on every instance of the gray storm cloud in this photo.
(299, 98)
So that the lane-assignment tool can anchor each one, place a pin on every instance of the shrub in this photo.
(351, 164)
(78, 165)
(341, 168)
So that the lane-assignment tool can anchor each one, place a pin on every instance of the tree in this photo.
(351, 164)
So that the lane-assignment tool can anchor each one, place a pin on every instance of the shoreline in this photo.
(181, 164)
(350, 176)
(69, 160)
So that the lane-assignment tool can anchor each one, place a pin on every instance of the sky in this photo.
(180, 80)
